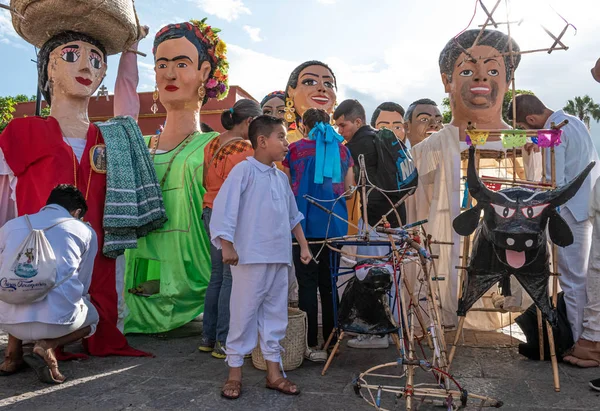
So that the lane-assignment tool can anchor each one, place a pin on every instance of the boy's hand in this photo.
(230, 256)
(305, 255)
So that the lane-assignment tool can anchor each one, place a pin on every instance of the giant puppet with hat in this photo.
(108, 162)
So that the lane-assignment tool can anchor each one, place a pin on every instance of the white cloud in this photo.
(327, 1)
(8, 35)
(254, 33)
(224, 9)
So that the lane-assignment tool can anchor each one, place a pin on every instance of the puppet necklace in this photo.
(181, 147)
(75, 165)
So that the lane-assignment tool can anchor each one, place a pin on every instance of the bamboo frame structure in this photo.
(554, 289)
(544, 185)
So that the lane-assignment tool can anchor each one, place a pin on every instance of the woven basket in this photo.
(113, 23)
(294, 343)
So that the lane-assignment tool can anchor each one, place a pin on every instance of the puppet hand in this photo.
(305, 255)
(143, 32)
(230, 256)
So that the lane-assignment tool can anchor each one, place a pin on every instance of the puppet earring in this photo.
(331, 120)
(154, 107)
(201, 92)
(290, 111)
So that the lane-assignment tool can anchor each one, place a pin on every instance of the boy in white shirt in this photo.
(259, 251)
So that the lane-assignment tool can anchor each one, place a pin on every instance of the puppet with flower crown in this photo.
(167, 275)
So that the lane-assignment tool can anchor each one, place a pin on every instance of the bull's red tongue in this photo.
(516, 259)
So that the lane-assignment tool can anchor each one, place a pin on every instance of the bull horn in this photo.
(561, 195)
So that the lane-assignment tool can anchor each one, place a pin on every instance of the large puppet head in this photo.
(71, 65)
(389, 115)
(273, 104)
(477, 76)
(422, 118)
(311, 84)
(190, 64)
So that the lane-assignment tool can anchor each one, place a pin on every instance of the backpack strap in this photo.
(64, 220)
(222, 146)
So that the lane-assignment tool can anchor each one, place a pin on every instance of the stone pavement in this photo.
(181, 378)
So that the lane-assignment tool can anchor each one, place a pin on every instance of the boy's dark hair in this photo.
(262, 126)
(240, 112)
(387, 106)
(414, 104)
(69, 197)
(527, 104)
(351, 110)
(312, 116)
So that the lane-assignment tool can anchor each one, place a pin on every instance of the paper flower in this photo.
(549, 138)
(514, 138)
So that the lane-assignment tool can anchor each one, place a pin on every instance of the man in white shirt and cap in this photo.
(65, 314)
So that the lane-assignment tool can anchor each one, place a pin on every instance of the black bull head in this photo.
(511, 238)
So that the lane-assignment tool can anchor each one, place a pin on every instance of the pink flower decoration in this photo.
(212, 83)
(549, 138)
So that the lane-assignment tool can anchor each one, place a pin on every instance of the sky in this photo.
(384, 50)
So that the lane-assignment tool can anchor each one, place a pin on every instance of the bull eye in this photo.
(534, 211)
(504, 212)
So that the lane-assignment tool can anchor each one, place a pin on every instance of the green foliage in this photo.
(8, 106)
(584, 108)
(447, 113)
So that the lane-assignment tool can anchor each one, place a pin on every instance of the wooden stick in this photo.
(553, 357)
(461, 324)
(139, 53)
(556, 40)
(13, 11)
(335, 348)
(540, 323)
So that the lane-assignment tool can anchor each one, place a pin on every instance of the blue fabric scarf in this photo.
(327, 161)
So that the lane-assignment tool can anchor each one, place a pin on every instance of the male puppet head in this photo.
(391, 116)
(477, 76)
(190, 64)
(71, 65)
(422, 118)
(311, 84)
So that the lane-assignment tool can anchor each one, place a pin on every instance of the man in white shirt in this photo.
(574, 153)
(65, 315)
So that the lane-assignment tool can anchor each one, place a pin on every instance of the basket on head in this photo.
(294, 343)
(113, 23)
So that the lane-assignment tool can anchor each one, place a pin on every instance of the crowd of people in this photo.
(192, 221)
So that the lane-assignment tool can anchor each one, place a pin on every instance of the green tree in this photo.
(7, 107)
(447, 113)
(584, 108)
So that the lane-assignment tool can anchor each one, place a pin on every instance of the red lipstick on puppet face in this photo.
(171, 88)
(84, 81)
(322, 100)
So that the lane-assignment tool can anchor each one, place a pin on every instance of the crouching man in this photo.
(65, 314)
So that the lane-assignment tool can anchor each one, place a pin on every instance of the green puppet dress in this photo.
(170, 270)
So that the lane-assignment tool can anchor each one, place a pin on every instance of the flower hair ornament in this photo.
(217, 85)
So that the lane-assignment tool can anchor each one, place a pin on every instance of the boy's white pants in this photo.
(258, 307)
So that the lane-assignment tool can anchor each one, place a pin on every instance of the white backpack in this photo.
(29, 274)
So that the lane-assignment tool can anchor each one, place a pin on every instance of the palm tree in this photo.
(584, 108)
